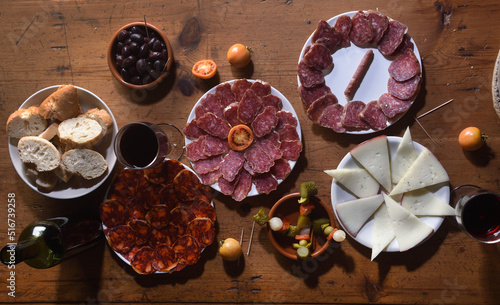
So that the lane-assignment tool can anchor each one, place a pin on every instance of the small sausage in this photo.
(358, 75)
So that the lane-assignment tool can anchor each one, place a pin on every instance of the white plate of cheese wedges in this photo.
(76, 186)
(364, 196)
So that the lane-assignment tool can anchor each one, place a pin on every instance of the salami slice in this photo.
(203, 231)
(392, 38)
(359, 74)
(343, 26)
(317, 108)
(258, 160)
(248, 107)
(211, 178)
(281, 169)
(332, 118)
(186, 185)
(274, 137)
(404, 90)
(113, 212)
(121, 238)
(142, 231)
(243, 186)
(187, 250)
(291, 149)
(269, 148)
(285, 117)
(327, 36)
(136, 208)
(227, 187)
(288, 133)
(231, 165)
(405, 45)
(180, 217)
(271, 100)
(309, 95)
(192, 130)
(261, 88)
(214, 125)
(207, 165)
(196, 150)
(379, 23)
(158, 216)
(164, 173)
(164, 258)
(211, 103)
(199, 111)
(213, 146)
(248, 168)
(265, 183)
(309, 77)
(362, 33)
(265, 122)
(373, 115)
(231, 114)
(405, 66)
(125, 183)
(142, 260)
(392, 106)
(239, 87)
(318, 57)
(351, 119)
(225, 94)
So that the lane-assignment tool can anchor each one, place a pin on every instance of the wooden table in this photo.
(55, 42)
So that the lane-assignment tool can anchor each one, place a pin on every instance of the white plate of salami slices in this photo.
(374, 83)
(261, 167)
(158, 220)
(365, 236)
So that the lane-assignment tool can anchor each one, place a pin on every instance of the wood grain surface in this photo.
(58, 42)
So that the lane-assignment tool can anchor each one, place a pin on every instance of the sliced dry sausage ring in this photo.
(164, 258)
(158, 216)
(203, 230)
(142, 260)
(186, 185)
(187, 250)
(113, 212)
(121, 238)
(142, 231)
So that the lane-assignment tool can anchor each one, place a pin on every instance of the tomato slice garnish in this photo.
(240, 137)
(204, 69)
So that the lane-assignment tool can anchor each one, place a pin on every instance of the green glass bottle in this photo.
(44, 243)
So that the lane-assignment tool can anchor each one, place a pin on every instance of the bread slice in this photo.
(46, 181)
(62, 104)
(80, 132)
(40, 152)
(25, 122)
(50, 132)
(85, 162)
(102, 117)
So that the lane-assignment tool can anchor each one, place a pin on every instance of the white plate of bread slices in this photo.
(61, 141)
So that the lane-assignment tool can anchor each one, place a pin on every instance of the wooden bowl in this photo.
(288, 206)
(112, 63)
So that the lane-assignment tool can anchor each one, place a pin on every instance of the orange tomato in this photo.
(471, 138)
(240, 137)
(230, 249)
(238, 55)
(204, 69)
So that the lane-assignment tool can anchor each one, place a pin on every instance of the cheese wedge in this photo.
(408, 228)
(354, 214)
(425, 171)
(356, 180)
(403, 158)
(383, 234)
(373, 155)
(423, 202)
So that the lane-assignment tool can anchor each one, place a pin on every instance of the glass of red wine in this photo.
(143, 145)
(477, 212)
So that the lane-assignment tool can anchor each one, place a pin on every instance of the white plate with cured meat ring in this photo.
(267, 161)
(374, 83)
(158, 220)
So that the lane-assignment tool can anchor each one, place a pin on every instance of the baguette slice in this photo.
(50, 132)
(25, 122)
(102, 117)
(40, 152)
(62, 104)
(85, 162)
(80, 132)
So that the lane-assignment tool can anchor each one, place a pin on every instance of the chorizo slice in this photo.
(113, 212)
(187, 250)
(164, 173)
(186, 185)
(180, 217)
(164, 258)
(125, 183)
(142, 231)
(158, 216)
(142, 262)
(203, 230)
(121, 238)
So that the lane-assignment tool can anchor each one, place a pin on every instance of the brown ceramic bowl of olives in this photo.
(140, 57)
